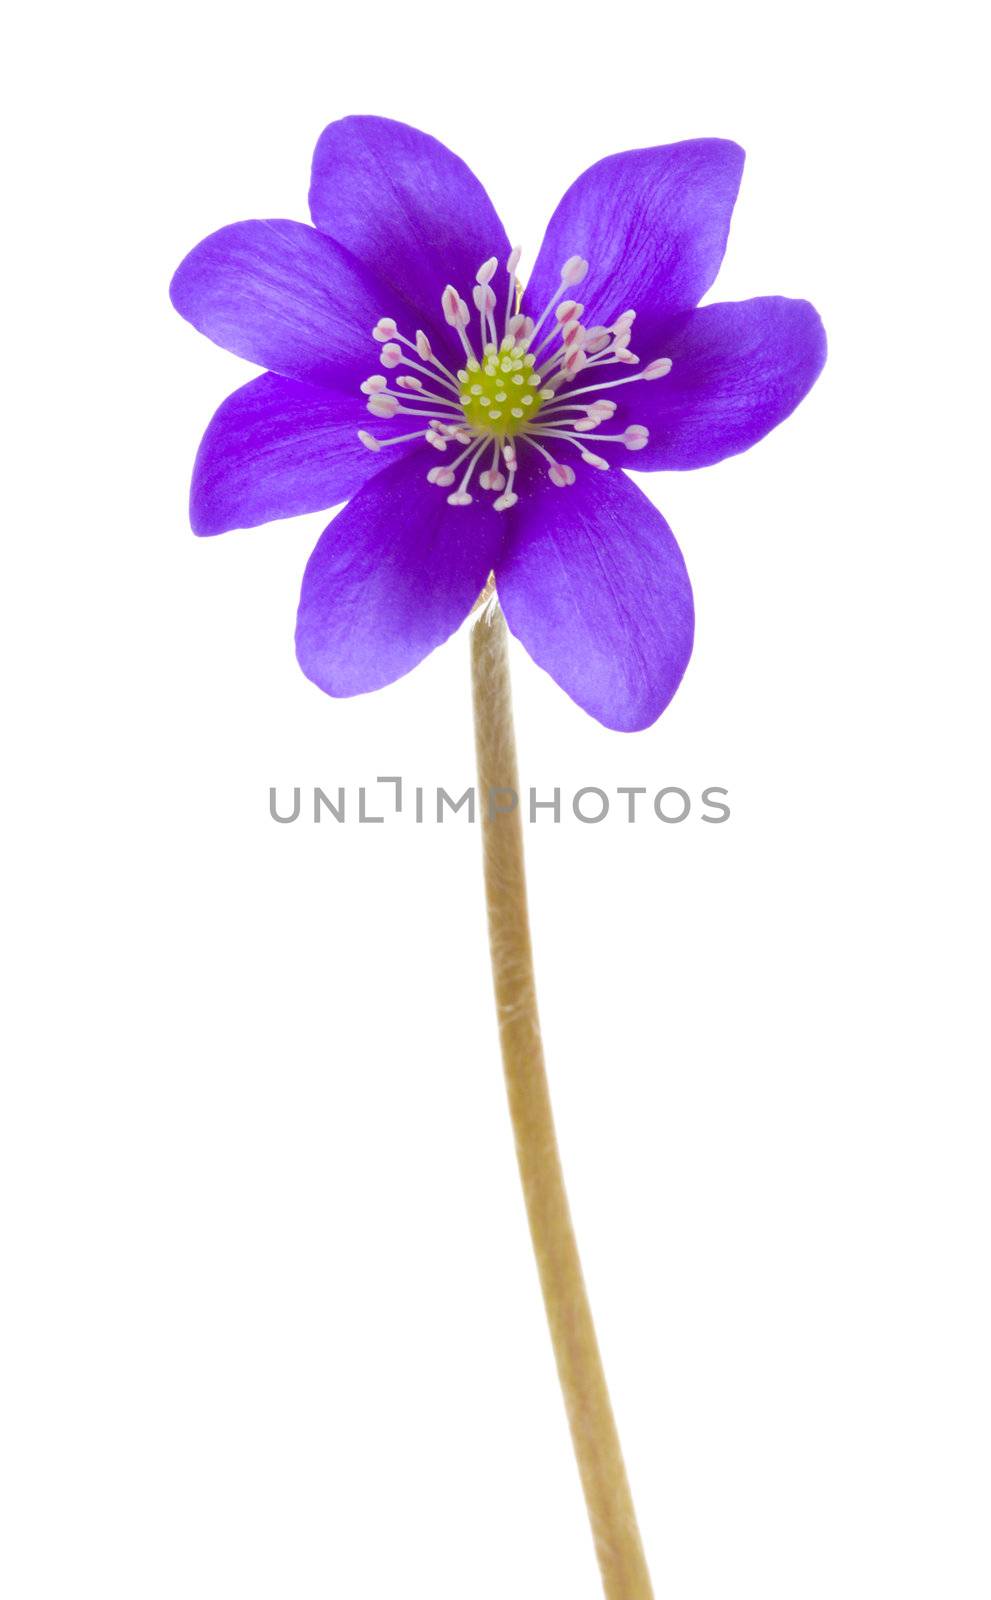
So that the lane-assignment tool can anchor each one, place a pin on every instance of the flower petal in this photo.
(276, 448)
(407, 207)
(391, 578)
(282, 295)
(594, 585)
(739, 369)
(652, 225)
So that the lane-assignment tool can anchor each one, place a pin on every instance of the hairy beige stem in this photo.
(576, 1350)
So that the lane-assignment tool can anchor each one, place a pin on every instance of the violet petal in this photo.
(276, 448)
(594, 585)
(392, 577)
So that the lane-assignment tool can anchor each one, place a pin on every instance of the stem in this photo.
(576, 1351)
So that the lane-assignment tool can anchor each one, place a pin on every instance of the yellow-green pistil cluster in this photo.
(500, 394)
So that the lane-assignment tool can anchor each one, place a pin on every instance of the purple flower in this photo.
(497, 428)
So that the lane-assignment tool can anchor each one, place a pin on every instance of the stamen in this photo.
(389, 404)
(372, 442)
(657, 369)
(569, 311)
(635, 437)
(457, 316)
(485, 300)
(492, 478)
(407, 381)
(512, 263)
(462, 497)
(590, 415)
(572, 272)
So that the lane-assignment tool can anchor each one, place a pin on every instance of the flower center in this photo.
(501, 393)
(515, 388)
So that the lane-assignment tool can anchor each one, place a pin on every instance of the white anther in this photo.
(594, 461)
(485, 271)
(385, 328)
(484, 297)
(571, 331)
(459, 499)
(574, 270)
(657, 369)
(437, 440)
(383, 405)
(451, 305)
(391, 355)
(423, 349)
(509, 456)
(568, 309)
(505, 501)
(513, 260)
(561, 476)
(624, 322)
(442, 476)
(514, 325)
(596, 339)
(627, 358)
(369, 440)
(375, 384)
(491, 480)
(407, 381)
(636, 437)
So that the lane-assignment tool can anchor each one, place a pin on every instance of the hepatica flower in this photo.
(475, 430)
(478, 429)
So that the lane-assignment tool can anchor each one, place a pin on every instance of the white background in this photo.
(271, 1324)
